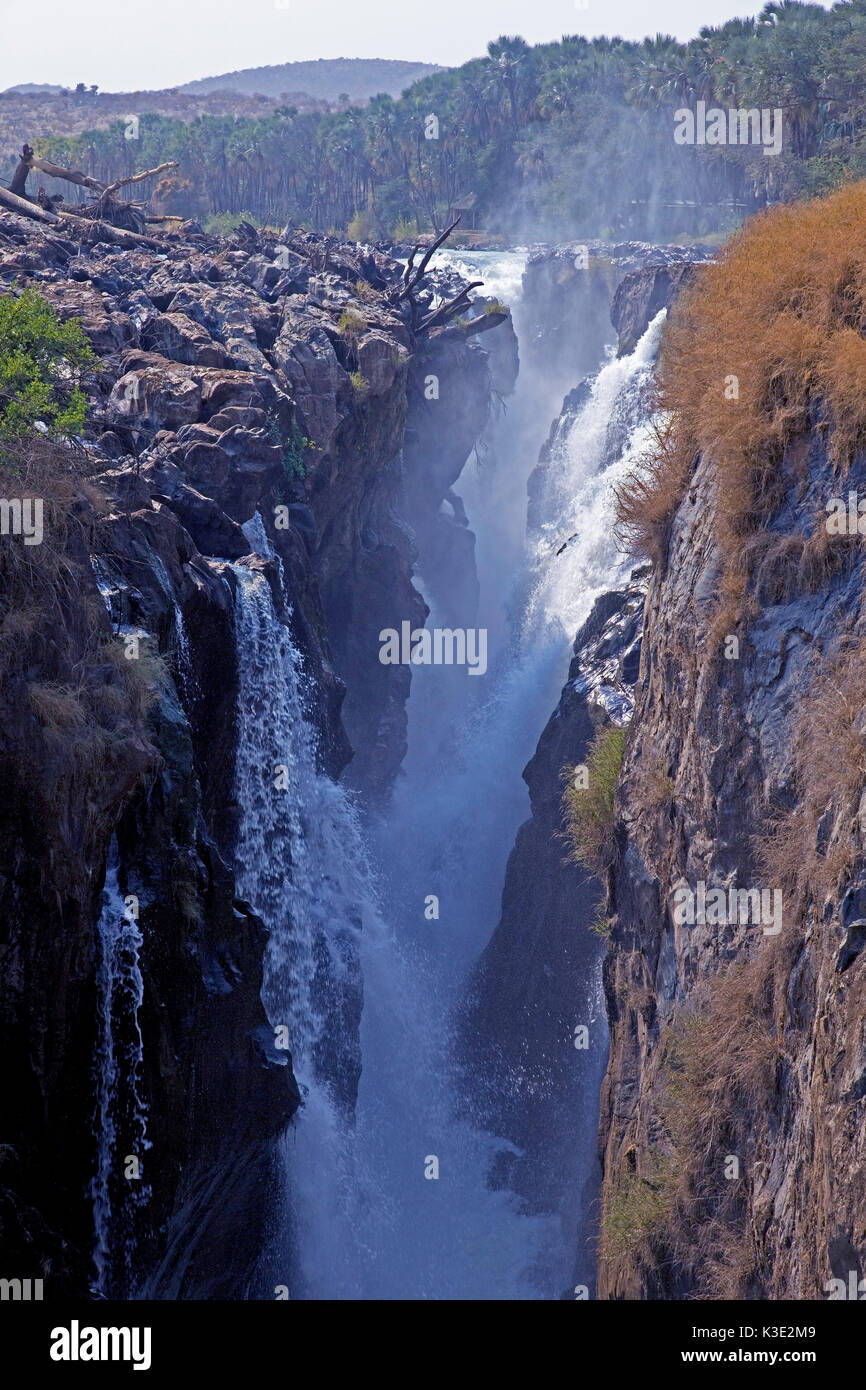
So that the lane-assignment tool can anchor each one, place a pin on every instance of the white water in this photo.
(360, 1218)
(579, 499)
(121, 1111)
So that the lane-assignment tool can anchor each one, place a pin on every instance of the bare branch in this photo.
(54, 171)
(428, 254)
(137, 178)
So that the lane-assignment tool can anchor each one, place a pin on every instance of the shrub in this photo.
(41, 362)
(589, 811)
(360, 385)
(362, 227)
(226, 223)
(634, 1209)
(406, 229)
(351, 325)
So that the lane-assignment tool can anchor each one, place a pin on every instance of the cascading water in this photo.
(121, 1112)
(576, 556)
(395, 1203)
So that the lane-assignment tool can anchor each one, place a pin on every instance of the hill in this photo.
(324, 78)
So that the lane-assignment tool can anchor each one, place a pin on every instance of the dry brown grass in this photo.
(715, 1085)
(783, 311)
(70, 702)
(829, 746)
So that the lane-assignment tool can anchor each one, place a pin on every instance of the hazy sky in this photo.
(128, 44)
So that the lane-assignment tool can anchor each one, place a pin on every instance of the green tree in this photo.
(41, 363)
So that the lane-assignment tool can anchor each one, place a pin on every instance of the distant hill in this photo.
(29, 88)
(324, 78)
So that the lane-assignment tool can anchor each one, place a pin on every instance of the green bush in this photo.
(226, 223)
(41, 361)
(352, 325)
(589, 810)
(635, 1210)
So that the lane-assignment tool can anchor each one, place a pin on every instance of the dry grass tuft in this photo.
(589, 814)
(782, 312)
(829, 748)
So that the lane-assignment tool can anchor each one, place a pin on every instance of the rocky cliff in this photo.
(732, 1112)
(574, 292)
(265, 383)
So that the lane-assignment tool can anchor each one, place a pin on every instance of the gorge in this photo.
(305, 992)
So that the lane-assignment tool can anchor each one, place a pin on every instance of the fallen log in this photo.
(25, 207)
(482, 324)
(107, 232)
(449, 308)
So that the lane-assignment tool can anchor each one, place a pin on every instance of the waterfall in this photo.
(576, 557)
(121, 1112)
(394, 1201)
(300, 855)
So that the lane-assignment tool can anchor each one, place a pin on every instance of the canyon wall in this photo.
(731, 1133)
(259, 383)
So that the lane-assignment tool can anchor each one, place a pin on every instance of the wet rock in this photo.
(641, 294)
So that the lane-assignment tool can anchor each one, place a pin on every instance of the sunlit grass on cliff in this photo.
(589, 812)
(766, 337)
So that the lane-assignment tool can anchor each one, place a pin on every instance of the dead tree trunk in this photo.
(18, 186)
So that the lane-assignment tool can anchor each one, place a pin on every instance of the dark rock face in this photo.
(233, 381)
(538, 979)
(208, 1071)
(569, 289)
(641, 294)
(720, 734)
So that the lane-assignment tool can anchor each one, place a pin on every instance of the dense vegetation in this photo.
(41, 361)
(565, 139)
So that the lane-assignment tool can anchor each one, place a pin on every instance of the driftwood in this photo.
(25, 207)
(412, 281)
(137, 178)
(104, 230)
(18, 186)
(449, 308)
(440, 319)
(107, 232)
(104, 211)
(471, 327)
(54, 171)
